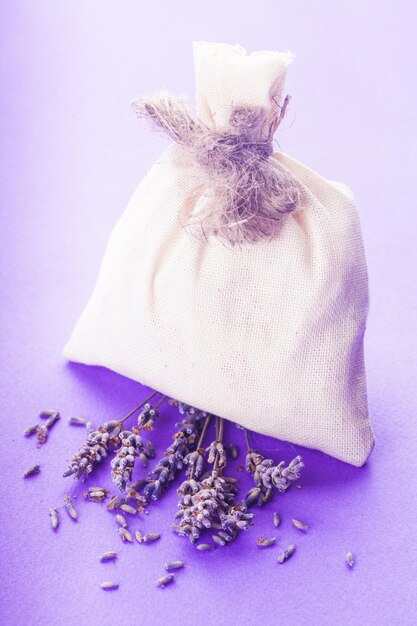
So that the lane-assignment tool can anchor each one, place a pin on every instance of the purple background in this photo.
(72, 153)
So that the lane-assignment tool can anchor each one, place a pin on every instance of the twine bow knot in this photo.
(247, 192)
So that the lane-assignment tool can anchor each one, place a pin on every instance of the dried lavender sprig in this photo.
(211, 501)
(195, 459)
(184, 441)
(96, 447)
(123, 463)
(268, 476)
(93, 450)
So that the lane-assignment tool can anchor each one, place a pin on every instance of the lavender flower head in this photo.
(94, 450)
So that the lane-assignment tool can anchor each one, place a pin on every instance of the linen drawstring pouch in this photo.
(236, 280)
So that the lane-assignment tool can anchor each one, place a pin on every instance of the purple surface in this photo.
(72, 152)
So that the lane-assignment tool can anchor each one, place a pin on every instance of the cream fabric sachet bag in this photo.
(235, 280)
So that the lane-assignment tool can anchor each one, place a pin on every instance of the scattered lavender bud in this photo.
(277, 520)
(107, 556)
(299, 486)
(115, 503)
(240, 468)
(54, 518)
(151, 537)
(165, 580)
(139, 536)
(125, 535)
(69, 506)
(120, 520)
(52, 419)
(143, 459)
(96, 495)
(108, 586)
(30, 430)
(90, 427)
(350, 560)
(300, 525)
(205, 547)
(128, 509)
(41, 434)
(77, 421)
(30, 471)
(234, 451)
(265, 543)
(286, 554)
(173, 565)
(47, 413)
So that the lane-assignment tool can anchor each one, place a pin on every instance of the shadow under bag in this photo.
(236, 280)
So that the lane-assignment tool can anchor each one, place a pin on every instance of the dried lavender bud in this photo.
(219, 540)
(265, 543)
(205, 547)
(69, 506)
(128, 509)
(139, 536)
(47, 413)
(217, 449)
(109, 586)
(94, 450)
(123, 463)
(299, 525)
(41, 434)
(90, 427)
(234, 451)
(138, 484)
(143, 459)
(96, 496)
(195, 462)
(240, 468)
(277, 520)
(30, 430)
(350, 560)
(30, 471)
(165, 580)
(147, 417)
(125, 535)
(120, 520)
(149, 449)
(107, 556)
(286, 554)
(173, 565)
(77, 421)
(115, 503)
(54, 518)
(151, 537)
(52, 419)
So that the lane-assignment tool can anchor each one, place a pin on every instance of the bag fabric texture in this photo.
(267, 333)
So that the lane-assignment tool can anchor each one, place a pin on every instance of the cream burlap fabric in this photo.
(267, 334)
